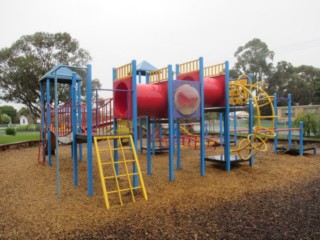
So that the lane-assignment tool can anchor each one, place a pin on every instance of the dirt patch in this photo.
(277, 198)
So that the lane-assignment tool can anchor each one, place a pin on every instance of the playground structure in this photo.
(167, 98)
(290, 148)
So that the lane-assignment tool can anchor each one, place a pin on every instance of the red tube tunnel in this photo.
(152, 99)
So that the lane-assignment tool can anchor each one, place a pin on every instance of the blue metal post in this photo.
(89, 129)
(220, 127)
(57, 134)
(251, 114)
(42, 133)
(301, 138)
(227, 120)
(153, 133)
(202, 118)
(178, 146)
(275, 106)
(134, 117)
(149, 160)
(79, 124)
(235, 138)
(171, 124)
(74, 129)
(115, 128)
(251, 122)
(289, 121)
(48, 123)
(178, 132)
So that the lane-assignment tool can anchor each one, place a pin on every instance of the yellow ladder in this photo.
(115, 174)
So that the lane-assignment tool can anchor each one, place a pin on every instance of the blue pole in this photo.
(251, 114)
(202, 118)
(178, 146)
(153, 138)
(48, 123)
(57, 134)
(149, 160)
(42, 133)
(79, 116)
(74, 129)
(220, 127)
(275, 106)
(251, 122)
(89, 129)
(227, 120)
(171, 124)
(235, 128)
(134, 117)
(178, 132)
(115, 128)
(301, 138)
(289, 121)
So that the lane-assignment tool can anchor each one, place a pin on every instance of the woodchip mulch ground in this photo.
(277, 198)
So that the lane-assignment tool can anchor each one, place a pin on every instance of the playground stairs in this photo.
(118, 165)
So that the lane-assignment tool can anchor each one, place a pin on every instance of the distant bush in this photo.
(28, 128)
(11, 131)
(311, 124)
(21, 128)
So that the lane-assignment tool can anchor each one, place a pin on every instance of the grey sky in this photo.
(169, 31)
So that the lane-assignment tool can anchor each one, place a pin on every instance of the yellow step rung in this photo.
(112, 164)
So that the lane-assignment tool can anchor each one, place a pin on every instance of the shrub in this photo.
(21, 128)
(11, 131)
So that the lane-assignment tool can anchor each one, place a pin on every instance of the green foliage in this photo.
(311, 124)
(255, 58)
(5, 119)
(10, 111)
(29, 58)
(10, 131)
(28, 128)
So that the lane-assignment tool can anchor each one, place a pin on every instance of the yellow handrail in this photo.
(159, 75)
(123, 71)
(214, 70)
(190, 66)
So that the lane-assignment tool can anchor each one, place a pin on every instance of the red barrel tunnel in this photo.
(152, 99)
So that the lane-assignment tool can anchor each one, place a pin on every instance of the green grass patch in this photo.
(19, 137)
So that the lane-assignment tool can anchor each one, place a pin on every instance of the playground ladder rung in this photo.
(117, 162)
(113, 149)
(123, 190)
(121, 175)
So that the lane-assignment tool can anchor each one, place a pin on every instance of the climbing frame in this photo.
(116, 173)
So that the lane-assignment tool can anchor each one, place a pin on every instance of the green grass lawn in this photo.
(19, 137)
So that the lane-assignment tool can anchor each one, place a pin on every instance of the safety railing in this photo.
(214, 70)
(191, 66)
(159, 75)
(124, 71)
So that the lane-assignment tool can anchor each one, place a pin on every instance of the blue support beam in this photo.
(57, 134)
(275, 105)
(74, 129)
(289, 121)
(48, 122)
(89, 129)
(202, 119)
(171, 124)
(227, 120)
(135, 117)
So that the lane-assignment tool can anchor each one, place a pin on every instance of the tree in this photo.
(255, 58)
(29, 58)
(5, 119)
(10, 111)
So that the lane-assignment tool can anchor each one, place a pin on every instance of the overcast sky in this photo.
(169, 31)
